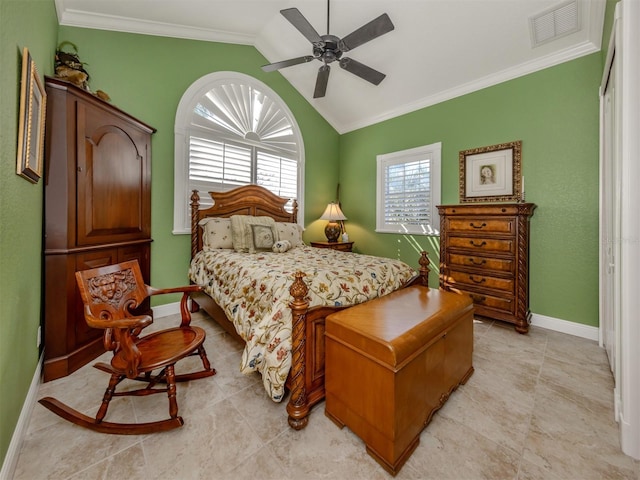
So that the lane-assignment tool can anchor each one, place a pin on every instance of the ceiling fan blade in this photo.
(302, 24)
(321, 81)
(361, 70)
(371, 30)
(287, 63)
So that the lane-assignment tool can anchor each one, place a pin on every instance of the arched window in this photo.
(232, 130)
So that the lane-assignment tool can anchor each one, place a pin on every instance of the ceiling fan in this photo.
(329, 48)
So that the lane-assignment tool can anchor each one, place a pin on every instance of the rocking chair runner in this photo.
(109, 294)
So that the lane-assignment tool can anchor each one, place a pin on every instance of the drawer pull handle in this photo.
(476, 280)
(473, 225)
(479, 245)
(478, 298)
(472, 261)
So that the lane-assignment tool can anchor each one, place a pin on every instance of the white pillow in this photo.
(291, 232)
(281, 246)
(216, 232)
(239, 235)
(260, 238)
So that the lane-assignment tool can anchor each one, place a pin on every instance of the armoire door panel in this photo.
(113, 182)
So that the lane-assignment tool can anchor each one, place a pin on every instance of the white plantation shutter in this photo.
(218, 163)
(409, 190)
(278, 174)
(235, 132)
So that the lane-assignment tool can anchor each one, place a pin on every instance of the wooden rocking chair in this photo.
(109, 294)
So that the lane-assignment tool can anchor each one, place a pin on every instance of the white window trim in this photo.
(433, 151)
(190, 98)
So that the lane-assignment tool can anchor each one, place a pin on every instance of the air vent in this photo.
(557, 22)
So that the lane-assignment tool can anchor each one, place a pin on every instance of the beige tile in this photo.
(451, 450)
(531, 471)
(570, 440)
(571, 379)
(217, 439)
(539, 406)
(322, 450)
(62, 449)
(582, 352)
(488, 412)
(263, 465)
(266, 417)
(128, 463)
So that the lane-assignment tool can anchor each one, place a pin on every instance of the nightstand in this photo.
(342, 246)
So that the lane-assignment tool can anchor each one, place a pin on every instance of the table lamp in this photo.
(333, 214)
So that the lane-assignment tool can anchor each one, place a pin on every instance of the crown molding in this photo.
(521, 70)
(76, 18)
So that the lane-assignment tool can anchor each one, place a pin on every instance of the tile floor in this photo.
(538, 406)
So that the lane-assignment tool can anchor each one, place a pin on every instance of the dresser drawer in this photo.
(482, 301)
(503, 304)
(483, 245)
(487, 224)
(488, 263)
(455, 277)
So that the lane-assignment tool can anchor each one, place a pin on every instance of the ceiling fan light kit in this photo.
(329, 48)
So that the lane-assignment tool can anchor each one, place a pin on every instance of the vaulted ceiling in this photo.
(439, 49)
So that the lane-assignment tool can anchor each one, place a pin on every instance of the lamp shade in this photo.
(333, 213)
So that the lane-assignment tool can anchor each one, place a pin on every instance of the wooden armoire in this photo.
(97, 212)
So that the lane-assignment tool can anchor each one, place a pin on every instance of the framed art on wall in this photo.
(491, 174)
(33, 100)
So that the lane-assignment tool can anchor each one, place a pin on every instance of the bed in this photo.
(276, 303)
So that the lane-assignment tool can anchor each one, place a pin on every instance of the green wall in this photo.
(555, 114)
(146, 77)
(32, 24)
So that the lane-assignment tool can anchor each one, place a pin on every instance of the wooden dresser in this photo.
(484, 251)
(97, 212)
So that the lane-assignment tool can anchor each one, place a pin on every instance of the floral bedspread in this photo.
(253, 289)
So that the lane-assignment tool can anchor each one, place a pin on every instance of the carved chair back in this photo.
(109, 295)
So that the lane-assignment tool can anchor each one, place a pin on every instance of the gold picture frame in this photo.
(491, 174)
(33, 101)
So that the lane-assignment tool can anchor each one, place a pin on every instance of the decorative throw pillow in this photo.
(261, 237)
(216, 233)
(291, 232)
(240, 236)
(281, 246)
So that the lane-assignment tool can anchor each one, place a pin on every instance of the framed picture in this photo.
(491, 174)
(33, 101)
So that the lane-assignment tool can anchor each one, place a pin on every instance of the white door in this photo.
(610, 227)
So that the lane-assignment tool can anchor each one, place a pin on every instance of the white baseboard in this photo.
(563, 326)
(550, 323)
(11, 459)
(166, 310)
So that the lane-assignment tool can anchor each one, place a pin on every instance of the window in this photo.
(233, 130)
(409, 190)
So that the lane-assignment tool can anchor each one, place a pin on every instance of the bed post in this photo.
(424, 268)
(298, 406)
(195, 205)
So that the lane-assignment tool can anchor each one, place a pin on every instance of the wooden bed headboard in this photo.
(246, 200)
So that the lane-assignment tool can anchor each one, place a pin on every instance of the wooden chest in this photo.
(392, 362)
(484, 252)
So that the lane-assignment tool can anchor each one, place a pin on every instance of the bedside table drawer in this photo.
(340, 246)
